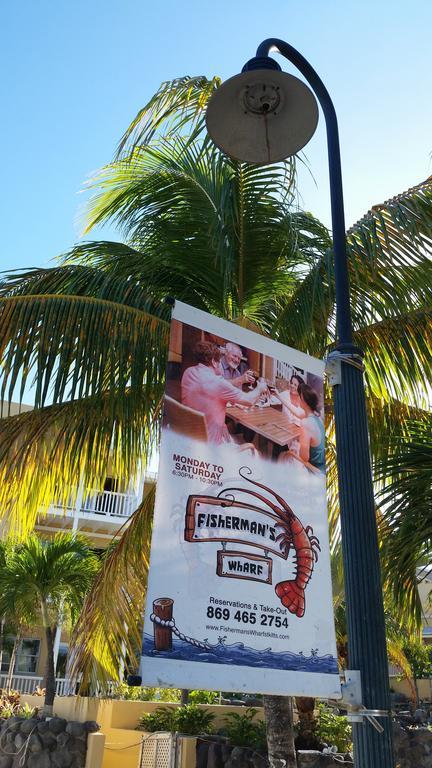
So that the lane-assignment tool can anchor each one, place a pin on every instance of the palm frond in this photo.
(178, 104)
(399, 357)
(390, 421)
(48, 453)
(77, 346)
(390, 257)
(305, 318)
(107, 637)
(104, 270)
(57, 572)
(253, 251)
(405, 475)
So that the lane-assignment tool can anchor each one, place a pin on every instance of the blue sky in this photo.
(76, 72)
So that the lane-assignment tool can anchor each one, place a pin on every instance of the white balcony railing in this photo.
(21, 683)
(105, 504)
(29, 683)
(109, 503)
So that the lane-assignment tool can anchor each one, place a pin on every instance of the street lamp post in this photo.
(262, 116)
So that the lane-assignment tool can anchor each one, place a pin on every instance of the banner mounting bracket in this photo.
(351, 690)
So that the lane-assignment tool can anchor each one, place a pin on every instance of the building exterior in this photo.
(425, 591)
(98, 514)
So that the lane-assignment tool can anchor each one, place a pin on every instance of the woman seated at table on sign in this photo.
(312, 446)
(290, 398)
(204, 388)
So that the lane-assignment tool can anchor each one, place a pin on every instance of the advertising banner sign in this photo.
(239, 595)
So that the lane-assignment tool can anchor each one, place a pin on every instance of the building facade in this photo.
(98, 514)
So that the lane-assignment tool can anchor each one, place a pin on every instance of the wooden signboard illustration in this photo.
(212, 519)
(223, 518)
(241, 565)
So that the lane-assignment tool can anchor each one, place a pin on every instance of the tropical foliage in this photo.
(406, 503)
(245, 730)
(190, 719)
(333, 730)
(10, 705)
(420, 660)
(47, 579)
(136, 693)
(17, 615)
(91, 333)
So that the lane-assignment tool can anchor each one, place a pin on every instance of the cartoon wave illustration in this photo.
(241, 655)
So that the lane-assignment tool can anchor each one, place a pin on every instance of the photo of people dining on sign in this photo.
(220, 392)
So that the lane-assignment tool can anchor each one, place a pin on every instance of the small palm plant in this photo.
(16, 616)
(45, 579)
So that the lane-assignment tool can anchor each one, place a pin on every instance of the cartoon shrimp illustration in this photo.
(293, 534)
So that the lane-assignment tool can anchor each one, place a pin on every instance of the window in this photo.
(27, 656)
(5, 660)
(62, 660)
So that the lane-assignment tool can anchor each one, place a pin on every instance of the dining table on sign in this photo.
(268, 423)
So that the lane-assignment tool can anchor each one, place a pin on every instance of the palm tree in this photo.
(225, 237)
(43, 578)
(406, 503)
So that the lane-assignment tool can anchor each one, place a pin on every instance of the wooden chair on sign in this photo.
(307, 464)
(187, 421)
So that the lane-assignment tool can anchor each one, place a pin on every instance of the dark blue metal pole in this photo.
(365, 615)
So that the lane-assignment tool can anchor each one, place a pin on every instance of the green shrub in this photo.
(243, 731)
(135, 693)
(162, 719)
(10, 705)
(7, 710)
(190, 719)
(203, 697)
(25, 710)
(333, 729)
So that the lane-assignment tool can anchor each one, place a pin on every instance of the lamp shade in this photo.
(262, 116)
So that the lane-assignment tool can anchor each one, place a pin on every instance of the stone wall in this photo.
(40, 743)
(413, 747)
(217, 753)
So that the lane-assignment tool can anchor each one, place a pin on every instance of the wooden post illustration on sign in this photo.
(163, 609)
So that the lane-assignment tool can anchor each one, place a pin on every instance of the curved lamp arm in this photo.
(343, 311)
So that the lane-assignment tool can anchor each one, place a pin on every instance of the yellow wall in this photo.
(95, 750)
(402, 686)
(118, 720)
(13, 409)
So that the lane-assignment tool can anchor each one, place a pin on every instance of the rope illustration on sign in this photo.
(164, 627)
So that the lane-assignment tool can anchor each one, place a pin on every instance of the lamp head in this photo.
(262, 115)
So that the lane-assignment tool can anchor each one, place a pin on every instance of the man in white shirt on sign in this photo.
(234, 368)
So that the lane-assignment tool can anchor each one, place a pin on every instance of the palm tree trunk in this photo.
(417, 697)
(184, 697)
(280, 731)
(12, 661)
(50, 682)
(307, 726)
